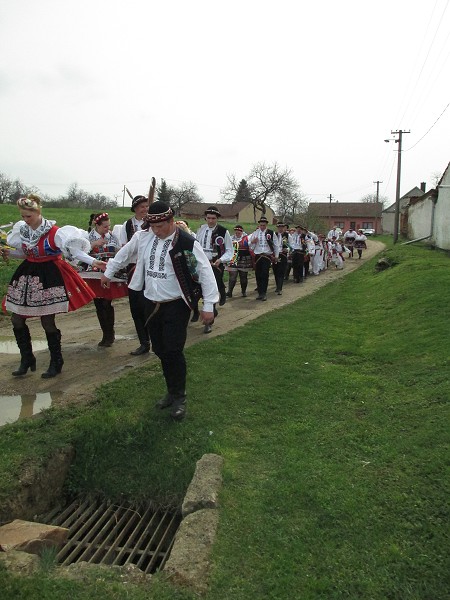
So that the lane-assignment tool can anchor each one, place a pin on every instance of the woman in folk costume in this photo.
(360, 242)
(349, 240)
(44, 284)
(104, 245)
(241, 262)
(336, 253)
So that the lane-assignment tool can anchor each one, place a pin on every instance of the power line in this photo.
(419, 140)
(424, 37)
(412, 94)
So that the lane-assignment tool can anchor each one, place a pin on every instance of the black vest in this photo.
(184, 264)
(219, 231)
(129, 229)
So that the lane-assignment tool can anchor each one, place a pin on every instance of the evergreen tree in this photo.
(164, 192)
(243, 193)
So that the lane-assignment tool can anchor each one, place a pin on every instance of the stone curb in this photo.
(190, 558)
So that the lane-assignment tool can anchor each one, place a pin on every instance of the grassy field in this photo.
(332, 417)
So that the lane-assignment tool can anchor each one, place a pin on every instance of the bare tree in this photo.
(265, 184)
(372, 199)
(12, 189)
(290, 204)
(5, 188)
(435, 178)
(179, 196)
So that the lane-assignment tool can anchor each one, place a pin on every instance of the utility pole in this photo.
(378, 217)
(400, 133)
(378, 189)
(123, 197)
(329, 211)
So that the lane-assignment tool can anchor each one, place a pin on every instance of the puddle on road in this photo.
(13, 408)
(9, 346)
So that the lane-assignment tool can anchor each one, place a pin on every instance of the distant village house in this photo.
(237, 212)
(345, 215)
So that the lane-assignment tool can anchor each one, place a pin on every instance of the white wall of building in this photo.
(442, 214)
(419, 219)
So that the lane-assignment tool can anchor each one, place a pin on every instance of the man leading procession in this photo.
(173, 271)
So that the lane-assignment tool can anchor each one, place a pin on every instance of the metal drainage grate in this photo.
(111, 534)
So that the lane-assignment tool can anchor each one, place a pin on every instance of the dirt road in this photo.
(87, 366)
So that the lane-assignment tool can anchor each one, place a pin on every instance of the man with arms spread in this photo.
(173, 271)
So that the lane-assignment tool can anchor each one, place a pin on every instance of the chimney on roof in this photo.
(423, 186)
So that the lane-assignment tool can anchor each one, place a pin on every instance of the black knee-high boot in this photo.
(105, 315)
(244, 282)
(56, 359)
(231, 283)
(110, 319)
(27, 358)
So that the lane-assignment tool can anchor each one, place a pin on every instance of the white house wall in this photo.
(442, 214)
(419, 219)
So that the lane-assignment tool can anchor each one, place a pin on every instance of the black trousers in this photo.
(279, 271)
(218, 274)
(298, 263)
(262, 270)
(167, 325)
(137, 309)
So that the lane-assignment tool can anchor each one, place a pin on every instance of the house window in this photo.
(339, 224)
(352, 224)
(367, 225)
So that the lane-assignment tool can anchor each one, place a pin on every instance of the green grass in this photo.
(332, 417)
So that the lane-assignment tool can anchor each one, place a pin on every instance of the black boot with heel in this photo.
(56, 359)
(27, 358)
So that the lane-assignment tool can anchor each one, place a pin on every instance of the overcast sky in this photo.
(110, 93)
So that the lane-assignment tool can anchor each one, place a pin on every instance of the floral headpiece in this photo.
(102, 217)
(28, 203)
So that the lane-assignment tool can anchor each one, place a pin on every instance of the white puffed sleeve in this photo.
(14, 240)
(74, 244)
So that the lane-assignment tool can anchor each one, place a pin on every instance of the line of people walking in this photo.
(163, 268)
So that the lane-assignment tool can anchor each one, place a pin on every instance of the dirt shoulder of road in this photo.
(87, 365)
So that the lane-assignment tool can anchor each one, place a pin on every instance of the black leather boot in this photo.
(27, 358)
(178, 411)
(144, 348)
(56, 359)
(166, 401)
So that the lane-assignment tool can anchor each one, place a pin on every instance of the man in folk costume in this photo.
(334, 232)
(218, 247)
(298, 249)
(139, 207)
(280, 267)
(173, 271)
(264, 244)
